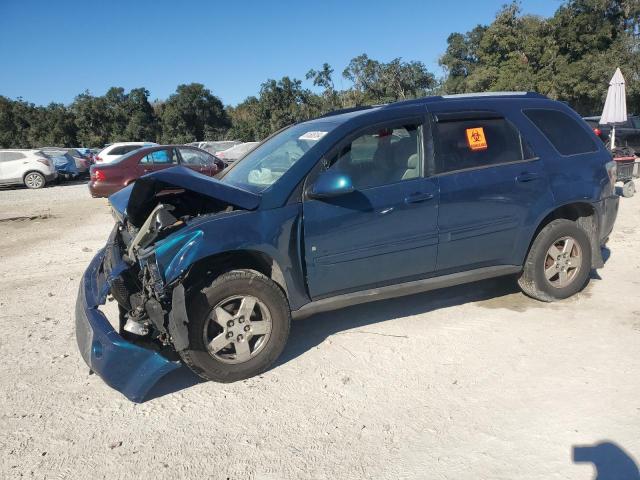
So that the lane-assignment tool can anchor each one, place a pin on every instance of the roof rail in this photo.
(347, 110)
(496, 94)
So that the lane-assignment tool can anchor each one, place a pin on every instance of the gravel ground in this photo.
(476, 381)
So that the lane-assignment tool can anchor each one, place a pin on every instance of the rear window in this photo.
(565, 134)
(479, 142)
(124, 149)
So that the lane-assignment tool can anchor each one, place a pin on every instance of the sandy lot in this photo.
(475, 382)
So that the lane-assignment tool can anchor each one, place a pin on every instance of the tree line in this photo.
(569, 56)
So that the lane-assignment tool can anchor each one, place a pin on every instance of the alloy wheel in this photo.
(237, 329)
(33, 180)
(562, 262)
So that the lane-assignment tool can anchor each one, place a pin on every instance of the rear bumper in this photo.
(125, 366)
(607, 213)
(101, 189)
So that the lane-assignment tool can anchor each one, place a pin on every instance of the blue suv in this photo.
(355, 206)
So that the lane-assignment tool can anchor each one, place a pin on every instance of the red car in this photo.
(108, 178)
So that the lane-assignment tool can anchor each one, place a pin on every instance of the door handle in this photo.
(527, 177)
(418, 197)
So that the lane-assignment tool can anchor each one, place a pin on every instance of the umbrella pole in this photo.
(613, 137)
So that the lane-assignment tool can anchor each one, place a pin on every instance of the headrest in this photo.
(412, 161)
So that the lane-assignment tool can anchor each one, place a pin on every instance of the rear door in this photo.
(492, 187)
(158, 160)
(386, 231)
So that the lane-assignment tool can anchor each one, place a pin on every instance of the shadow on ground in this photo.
(62, 183)
(610, 461)
(310, 332)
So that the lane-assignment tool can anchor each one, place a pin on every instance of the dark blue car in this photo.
(351, 207)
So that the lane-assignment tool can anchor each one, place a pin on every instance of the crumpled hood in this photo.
(137, 200)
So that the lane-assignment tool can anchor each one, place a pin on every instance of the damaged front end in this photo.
(148, 254)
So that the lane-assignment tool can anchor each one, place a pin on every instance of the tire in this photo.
(628, 189)
(34, 180)
(536, 280)
(207, 321)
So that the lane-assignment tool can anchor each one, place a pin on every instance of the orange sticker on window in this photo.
(476, 138)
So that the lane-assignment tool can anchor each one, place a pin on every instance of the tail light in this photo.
(98, 159)
(44, 161)
(612, 171)
(98, 175)
(597, 131)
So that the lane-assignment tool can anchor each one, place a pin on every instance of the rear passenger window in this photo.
(565, 134)
(10, 156)
(472, 143)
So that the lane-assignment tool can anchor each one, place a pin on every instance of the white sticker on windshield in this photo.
(313, 136)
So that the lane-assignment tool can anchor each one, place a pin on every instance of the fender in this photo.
(273, 233)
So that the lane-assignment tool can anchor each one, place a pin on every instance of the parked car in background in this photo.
(63, 161)
(31, 168)
(106, 179)
(82, 163)
(116, 150)
(216, 147)
(236, 152)
(627, 133)
(352, 207)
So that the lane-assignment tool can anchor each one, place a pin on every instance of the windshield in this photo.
(262, 167)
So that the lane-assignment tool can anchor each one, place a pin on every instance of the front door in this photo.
(492, 187)
(386, 230)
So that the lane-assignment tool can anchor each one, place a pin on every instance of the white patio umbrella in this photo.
(615, 106)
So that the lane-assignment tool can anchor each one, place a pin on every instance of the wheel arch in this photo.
(34, 170)
(207, 268)
(585, 215)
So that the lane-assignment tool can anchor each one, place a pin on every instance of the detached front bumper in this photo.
(125, 366)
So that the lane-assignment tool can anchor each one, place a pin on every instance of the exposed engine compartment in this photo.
(147, 213)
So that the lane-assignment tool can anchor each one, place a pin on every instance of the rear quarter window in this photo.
(563, 132)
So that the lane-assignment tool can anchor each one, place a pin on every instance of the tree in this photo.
(378, 82)
(570, 56)
(280, 103)
(193, 113)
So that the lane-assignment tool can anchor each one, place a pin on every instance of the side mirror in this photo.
(330, 184)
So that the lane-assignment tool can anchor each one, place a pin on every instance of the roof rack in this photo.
(496, 94)
(347, 110)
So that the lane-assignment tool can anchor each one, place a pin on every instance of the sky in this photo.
(52, 50)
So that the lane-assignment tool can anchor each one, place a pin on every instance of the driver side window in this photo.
(382, 156)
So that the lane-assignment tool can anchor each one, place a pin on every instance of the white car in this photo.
(116, 150)
(31, 168)
(219, 146)
(237, 152)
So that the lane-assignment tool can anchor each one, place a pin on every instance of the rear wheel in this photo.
(34, 180)
(238, 326)
(558, 263)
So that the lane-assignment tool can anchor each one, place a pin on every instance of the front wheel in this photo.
(238, 326)
(558, 263)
